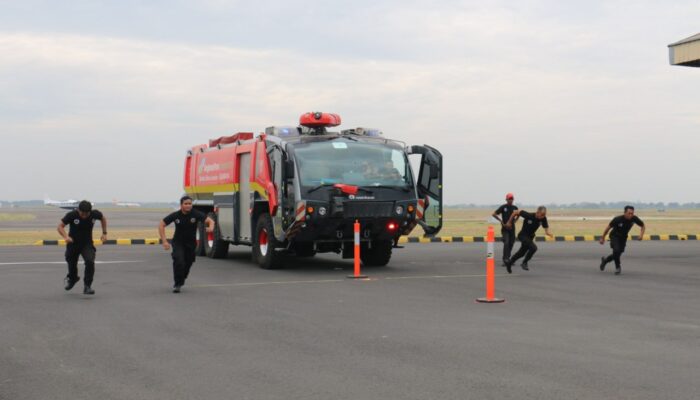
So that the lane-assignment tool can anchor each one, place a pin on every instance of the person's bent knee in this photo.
(89, 257)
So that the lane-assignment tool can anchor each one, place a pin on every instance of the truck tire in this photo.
(378, 256)
(214, 247)
(304, 249)
(264, 244)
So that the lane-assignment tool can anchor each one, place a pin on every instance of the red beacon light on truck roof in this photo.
(315, 123)
(319, 119)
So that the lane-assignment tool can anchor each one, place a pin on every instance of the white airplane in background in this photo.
(65, 204)
(125, 204)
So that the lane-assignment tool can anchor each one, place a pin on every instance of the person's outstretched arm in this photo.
(602, 239)
(62, 231)
(103, 222)
(641, 234)
(161, 233)
(210, 224)
(495, 215)
(515, 214)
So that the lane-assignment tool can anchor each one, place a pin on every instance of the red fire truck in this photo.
(297, 190)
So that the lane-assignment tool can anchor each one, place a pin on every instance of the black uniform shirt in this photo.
(621, 226)
(185, 225)
(531, 224)
(81, 229)
(506, 211)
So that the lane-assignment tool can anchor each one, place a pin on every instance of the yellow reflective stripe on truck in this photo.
(229, 187)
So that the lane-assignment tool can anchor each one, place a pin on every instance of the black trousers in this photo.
(618, 247)
(183, 258)
(508, 236)
(528, 248)
(73, 252)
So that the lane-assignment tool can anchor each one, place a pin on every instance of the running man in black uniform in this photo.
(79, 242)
(619, 229)
(185, 238)
(531, 223)
(508, 234)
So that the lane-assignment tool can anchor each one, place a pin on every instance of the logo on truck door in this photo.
(215, 172)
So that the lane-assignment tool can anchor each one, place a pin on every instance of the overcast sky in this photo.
(551, 100)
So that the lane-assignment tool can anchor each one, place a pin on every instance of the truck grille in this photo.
(367, 209)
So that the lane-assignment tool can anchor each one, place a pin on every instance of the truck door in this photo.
(245, 233)
(275, 155)
(429, 187)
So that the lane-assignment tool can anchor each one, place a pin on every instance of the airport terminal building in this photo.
(685, 52)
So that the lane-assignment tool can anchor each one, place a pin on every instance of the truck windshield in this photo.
(351, 163)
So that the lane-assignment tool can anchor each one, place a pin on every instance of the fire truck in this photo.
(297, 191)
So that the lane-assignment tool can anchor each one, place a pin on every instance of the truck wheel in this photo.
(214, 247)
(264, 244)
(378, 256)
(304, 249)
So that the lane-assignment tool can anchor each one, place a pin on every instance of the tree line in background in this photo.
(590, 205)
(40, 203)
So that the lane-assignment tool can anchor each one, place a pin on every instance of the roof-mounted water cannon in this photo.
(319, 121)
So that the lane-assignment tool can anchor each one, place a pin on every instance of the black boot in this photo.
(524, 266)
(618, 270)
(603, 261)
(70, 283)
(88, 290)
(509, 264)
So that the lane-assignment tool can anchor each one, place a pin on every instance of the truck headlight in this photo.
(399, 210)
(322, 211)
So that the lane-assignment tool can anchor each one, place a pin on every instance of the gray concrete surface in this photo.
(566, 331)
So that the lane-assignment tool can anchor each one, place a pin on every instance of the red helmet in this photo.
(509, 196)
